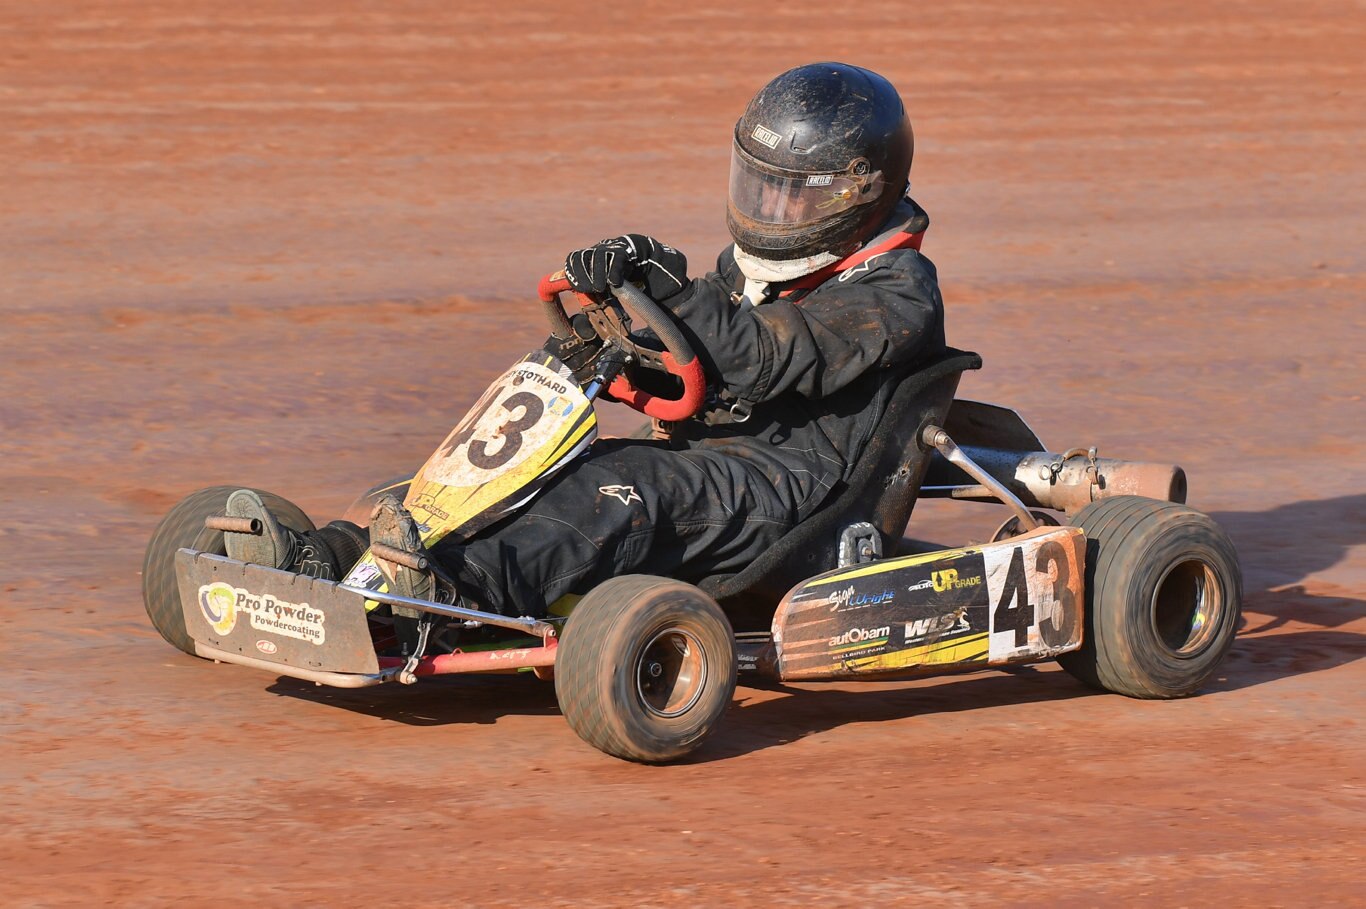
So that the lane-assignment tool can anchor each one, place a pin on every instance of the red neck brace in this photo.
(898, 240)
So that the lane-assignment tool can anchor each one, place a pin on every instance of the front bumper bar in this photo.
(318, 631)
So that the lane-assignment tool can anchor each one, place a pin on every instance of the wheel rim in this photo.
(1188, 607)
(671, 670)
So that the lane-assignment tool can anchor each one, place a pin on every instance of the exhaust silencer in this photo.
(1064, 482)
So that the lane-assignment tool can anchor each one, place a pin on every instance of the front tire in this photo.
(1163, 597)
(359, 511)
(183, 528)
(646, 669)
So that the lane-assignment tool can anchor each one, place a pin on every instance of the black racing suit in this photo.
(721, 492)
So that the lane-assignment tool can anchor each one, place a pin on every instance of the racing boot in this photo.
(392, 525)
(325, 553)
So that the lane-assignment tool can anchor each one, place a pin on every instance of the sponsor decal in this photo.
(218, 602)
(865, 265)
(427, 503)
(766, 136)
(861, 639)
(842, 600)
(820, 179)
(546, 379)
(560, 406)
(920, 585)
(508, 654)
(922, 629)
(363, 574)
(291, 620)
(627, 494)
(948, 579)
(266, 647)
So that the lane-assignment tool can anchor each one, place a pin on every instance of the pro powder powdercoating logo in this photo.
(222, 604)
(218, 602)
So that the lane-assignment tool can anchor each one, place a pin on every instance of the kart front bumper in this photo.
(319, 631)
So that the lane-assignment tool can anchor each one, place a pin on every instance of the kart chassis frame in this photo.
(756, 651)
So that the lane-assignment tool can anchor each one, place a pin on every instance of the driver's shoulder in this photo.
(905, 263)
(898, 273)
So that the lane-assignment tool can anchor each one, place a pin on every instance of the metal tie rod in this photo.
(936, 437)
(531, 626)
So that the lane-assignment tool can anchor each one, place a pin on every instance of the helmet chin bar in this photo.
(837, 236)
(776, 271)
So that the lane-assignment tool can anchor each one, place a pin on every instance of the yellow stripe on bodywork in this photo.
(864, 571)
(960, 650)
(575, 436)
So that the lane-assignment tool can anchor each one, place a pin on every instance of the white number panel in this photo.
(1035, 585)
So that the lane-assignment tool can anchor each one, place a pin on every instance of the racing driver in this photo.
(823, 291)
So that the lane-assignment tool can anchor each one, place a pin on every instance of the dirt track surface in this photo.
(285, 249)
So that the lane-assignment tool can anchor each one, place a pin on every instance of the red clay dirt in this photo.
(286, 247)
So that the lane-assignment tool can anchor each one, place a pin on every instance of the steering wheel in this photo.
(677, 358)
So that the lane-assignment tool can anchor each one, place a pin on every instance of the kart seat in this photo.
(881, 491)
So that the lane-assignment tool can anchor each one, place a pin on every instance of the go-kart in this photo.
(1137, 594)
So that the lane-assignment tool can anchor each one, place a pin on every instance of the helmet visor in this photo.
(769, 196)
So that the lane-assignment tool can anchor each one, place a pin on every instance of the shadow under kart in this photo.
(1139, 594)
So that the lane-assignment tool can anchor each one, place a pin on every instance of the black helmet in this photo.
(821, 157)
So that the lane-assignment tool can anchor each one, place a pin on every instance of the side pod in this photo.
(1016, 601)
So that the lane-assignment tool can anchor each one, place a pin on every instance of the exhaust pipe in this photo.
(1064, 482)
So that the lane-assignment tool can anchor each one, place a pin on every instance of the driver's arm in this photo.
(889, 315)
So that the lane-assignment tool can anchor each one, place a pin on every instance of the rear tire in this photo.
(646, 669)
(182, 528)
(1163, 597)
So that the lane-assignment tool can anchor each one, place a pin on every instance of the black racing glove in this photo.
(580, 352)
(633, 257)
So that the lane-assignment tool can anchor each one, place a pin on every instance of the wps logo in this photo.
(919, 629)
(948, 580)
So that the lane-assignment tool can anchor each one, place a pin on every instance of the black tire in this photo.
(183, 527)
(1163, 597)
(646, 669)
(358, 512)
